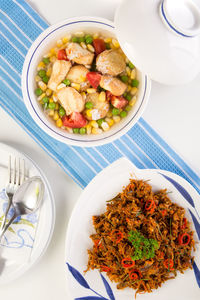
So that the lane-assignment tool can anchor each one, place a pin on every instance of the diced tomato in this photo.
(62, 55)
(94, 79)
(99, 45)
(75, 120)
(119, 102)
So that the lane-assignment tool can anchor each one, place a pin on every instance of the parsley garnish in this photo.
(143, 248)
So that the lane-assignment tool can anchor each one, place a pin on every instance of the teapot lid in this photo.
(161, 37)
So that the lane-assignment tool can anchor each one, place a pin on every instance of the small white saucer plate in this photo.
(13, 270)
(92, 202)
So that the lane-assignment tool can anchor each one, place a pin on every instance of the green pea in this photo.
(124, 78)
(75, 39)
(128, 108)
(89, 105)
(45, 79)
(38, 92)
(115, 111)
(75, 130)
(42, 73)
(134, 83)
(81, 39)
(61, 111)
(88, 40)
(108, 46)
(45, 100)
(52, 105)
(123, 114)
(128, 96)
(46, 60)
(66, 82)
(100, 121)
(82, 130)
(131, 66)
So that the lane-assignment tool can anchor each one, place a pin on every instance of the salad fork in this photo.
(16, 177)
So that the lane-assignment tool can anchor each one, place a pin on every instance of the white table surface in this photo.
(173, 111)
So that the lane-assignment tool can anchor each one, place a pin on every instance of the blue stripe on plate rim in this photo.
(72, 139)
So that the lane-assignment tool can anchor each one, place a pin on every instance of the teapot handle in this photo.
(181, 16)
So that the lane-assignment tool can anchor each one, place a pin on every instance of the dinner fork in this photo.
(16, 177)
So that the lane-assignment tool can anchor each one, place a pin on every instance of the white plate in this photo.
(13, 270)
(93, 202)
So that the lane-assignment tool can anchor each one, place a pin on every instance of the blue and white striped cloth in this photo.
(19, 27)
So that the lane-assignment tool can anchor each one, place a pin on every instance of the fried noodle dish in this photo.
(142, 240)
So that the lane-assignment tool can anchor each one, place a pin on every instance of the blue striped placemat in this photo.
(19, 27)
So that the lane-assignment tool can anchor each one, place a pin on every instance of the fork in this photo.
(16, 177)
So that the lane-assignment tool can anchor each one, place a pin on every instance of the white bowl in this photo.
(42, 44)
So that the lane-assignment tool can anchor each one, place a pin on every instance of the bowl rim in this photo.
(29, 102)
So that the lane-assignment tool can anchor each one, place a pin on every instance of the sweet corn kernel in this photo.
(132, 102)
(41, 96)
(60, 86)
(48, 92)
(40, 66)
(37, 78)
(109, 114)
(55, 99)
(109, 121)
(59, 123)
(76, 86)
(94, 124)
(90, 47)
(53, 51)
(49, 72)
(115, 43)
(51, 100)
(128, 71)
(56, 116)
(59, 43)
(88, 129)
(108, 40)
(53, 59)
(105, 126)
(83, 45)
(96, 35)
(70, 130)
(79, 34)
(116, 119)
(42, 85)
(102, 97)
(127, 60)
(90, 91)
(65, 40)
(57, 106)
(134, 90)
(96, 130)
(133, 73)
(129, 88)
(83, 94)
(51, 113)
(89, 113)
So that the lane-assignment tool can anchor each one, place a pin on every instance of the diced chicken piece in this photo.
(79, 55)
(110, 62)
(59, 72)
(77, 74)
(113, 85)
(99, 109)
(71, 100)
